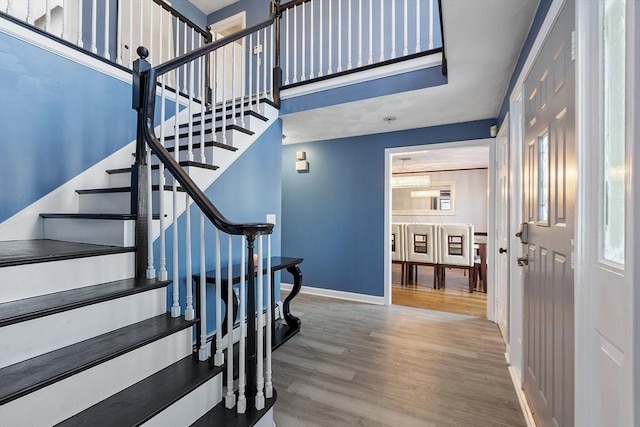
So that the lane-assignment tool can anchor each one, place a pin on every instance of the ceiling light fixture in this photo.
(389, 119)
(410, 181)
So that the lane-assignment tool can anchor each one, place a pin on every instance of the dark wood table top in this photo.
(277, 263)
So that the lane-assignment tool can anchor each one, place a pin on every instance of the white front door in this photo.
(502, 230)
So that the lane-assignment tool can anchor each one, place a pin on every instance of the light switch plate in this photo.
(271, 219)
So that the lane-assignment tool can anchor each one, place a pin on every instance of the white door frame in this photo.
(388, 152)
(502, 301)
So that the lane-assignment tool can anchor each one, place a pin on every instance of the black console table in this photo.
(282, 329)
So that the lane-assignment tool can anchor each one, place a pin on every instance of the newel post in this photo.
(277, 70)
(251, 360)
(139, 200)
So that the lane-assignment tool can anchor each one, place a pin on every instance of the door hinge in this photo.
(573, 45)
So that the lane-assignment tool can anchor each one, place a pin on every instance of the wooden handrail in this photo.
(206, 34)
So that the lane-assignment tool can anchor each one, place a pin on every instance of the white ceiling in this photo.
(483, 39)
(210, 6)
(441, 159)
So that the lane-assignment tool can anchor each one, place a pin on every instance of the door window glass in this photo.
(543, 179)
(614, 130)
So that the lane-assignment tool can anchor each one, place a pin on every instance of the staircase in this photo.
(85, 342)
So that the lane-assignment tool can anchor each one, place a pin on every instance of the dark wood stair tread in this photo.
(209, 132)
(145, 399)
(121, 190)
(229, 116)
(33, 374)
(18, 252)
(94, 216)
(46, 305)
(196, 145)
(221, 416)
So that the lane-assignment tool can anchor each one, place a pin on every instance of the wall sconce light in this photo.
(302, 165)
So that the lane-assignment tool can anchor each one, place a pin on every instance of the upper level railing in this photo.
(110, 29)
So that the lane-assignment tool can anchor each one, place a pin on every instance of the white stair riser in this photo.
(112, 232)
(32, 338)
(123, 179)
(30, 280)
(231, 135)
(266, 420)
(187, 410)
(45, 407)
(118, 203)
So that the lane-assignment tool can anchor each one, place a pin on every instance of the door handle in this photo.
(523, 260)
(523, 233)
(502, 250)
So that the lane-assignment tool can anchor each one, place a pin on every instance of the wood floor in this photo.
(357, 364)
(454, 298)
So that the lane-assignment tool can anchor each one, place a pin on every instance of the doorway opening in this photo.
(437, 203)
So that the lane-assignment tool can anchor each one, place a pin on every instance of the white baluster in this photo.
(350, 37)
(30, 18)
(340, 36)
(94, 24)
(185, 49)
(311, 42)
(152, 51)
(190, 108)
(431, 13)
(242, 381)
(393, 29)
(264, 63)
(268, 380)
(370, 32)
(250, 54)
(258, 63)
(287, 51)
(105, 52)
(381, 30)
(224, 97)
(151, 270)
(359, 33)
(405, 29)
(304, 39)
(218, 359)
(175, 308)
(242, 80)
(320, 40)
(417, 26)
(119, 35)
(295, 44)
(189, 312)
(79, 41)
(260, 343)
(9, 9)
(140, 27)
(47, 16)
(230, 398)
(329, 71)
(65, 19)
(203, 107)
(203, 352)
(162, 272)
(131, 48)
(233, 84)
(272, 56)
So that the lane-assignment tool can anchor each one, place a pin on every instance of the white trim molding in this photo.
(330, 293)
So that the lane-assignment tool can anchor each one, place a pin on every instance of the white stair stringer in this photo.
(54, 276)
(18, 341)
(191, 407)
(45, 407)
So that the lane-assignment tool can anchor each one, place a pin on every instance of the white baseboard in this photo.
(330, 293)
(524, 405)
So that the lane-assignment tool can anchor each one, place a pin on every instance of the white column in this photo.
(311, 42)
(203, 353)
(431, 13)
(340, 36)
(119, 35)
(268, 345)
(303, 57)
(329, 71)
(359, 33)
(295, 45)
(417, 26)
(218, 359)
(405, 30)
(260, 326)
(286, 50)
(105, 52)
(94, 24)
(370, 32)
(242, 375)
(162, 267)
(230, 398)
(350, 36)
(320, 40)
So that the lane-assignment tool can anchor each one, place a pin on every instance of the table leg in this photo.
(292, 321)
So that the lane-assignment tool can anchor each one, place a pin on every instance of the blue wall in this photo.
(57, 118)
(246, 192)
(333, 216)
(538, 19)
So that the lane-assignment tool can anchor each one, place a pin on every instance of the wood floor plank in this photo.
(361, 364)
